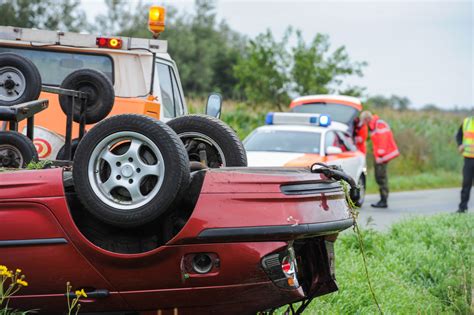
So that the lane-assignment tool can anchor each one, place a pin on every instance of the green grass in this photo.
(421, 266)
(428, 180)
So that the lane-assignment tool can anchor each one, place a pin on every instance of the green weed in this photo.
(38, 165)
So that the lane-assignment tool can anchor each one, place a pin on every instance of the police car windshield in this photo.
(283, 141)
(341, 113)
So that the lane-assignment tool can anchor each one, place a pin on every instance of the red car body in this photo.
(241, 217)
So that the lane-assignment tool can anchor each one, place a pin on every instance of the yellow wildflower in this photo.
(23, 283)
(81, 293)
(6, 273)
(18, 271)
(3, 268)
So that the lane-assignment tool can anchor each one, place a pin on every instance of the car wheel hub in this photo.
(126, 170)
(10, 156)
(12, 84)
(215, 154)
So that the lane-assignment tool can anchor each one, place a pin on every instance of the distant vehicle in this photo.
(343, 109)
(296, 140)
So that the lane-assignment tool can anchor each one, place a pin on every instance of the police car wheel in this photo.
(20, 80)
(101, 94)
(360, 200)
(205, 134)
(129, 169)
(16, 150)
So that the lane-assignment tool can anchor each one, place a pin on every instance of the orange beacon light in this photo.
(156, 20)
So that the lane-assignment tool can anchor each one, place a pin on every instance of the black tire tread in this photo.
(62, 151)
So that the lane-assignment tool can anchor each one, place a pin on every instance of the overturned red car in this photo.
(141, 236)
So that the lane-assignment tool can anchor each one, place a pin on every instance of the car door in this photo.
(170, 91)
(33, 240)
(348, 158)
(354, 160)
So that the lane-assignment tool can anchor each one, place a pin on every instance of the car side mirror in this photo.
(332, 150)
(214, 105)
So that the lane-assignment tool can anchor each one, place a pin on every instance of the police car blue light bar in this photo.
(321, 120)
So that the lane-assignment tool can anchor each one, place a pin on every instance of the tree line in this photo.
(213, 57)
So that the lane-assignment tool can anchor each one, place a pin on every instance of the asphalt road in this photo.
(410, 203)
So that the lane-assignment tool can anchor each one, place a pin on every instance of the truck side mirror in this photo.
(214, 105)
(332, 150)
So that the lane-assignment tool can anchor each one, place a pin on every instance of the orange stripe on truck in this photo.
(54, 119)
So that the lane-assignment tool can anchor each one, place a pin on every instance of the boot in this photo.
(461, 210)
(381, 204)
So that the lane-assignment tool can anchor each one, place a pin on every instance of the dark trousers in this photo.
(382, 180)
(467, 179)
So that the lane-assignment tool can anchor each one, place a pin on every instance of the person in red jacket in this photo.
(385, 149)
(361, 133)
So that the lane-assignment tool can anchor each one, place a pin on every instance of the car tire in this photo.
(20, 80)
(130, 169)
(62, 151)
(361, 196)
(16, 150)
(223, 146)
(101, 94)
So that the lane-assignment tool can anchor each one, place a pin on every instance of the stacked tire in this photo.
(20, 82)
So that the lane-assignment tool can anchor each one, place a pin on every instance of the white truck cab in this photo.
(145, 78)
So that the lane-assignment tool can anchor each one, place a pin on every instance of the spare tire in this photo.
(129, 169)
(99, 88)
(20, 80)
(16, 150)
(201, 132)
(62, 151)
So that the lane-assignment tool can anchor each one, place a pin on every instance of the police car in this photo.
(302, 139)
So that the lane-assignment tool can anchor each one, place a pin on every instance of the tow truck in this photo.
(145, 78)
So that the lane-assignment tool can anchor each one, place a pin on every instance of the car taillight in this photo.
(286, 266)
(282, 268)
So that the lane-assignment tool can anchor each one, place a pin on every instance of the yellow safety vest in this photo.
(468, 137)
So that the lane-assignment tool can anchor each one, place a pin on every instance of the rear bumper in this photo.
(275, 232)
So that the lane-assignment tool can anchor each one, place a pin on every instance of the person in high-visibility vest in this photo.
(385, 149)
(465, 140)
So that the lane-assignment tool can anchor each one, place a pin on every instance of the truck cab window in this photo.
(54, 66)
(170, 94)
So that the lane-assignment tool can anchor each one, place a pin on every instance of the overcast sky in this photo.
(420, 49)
